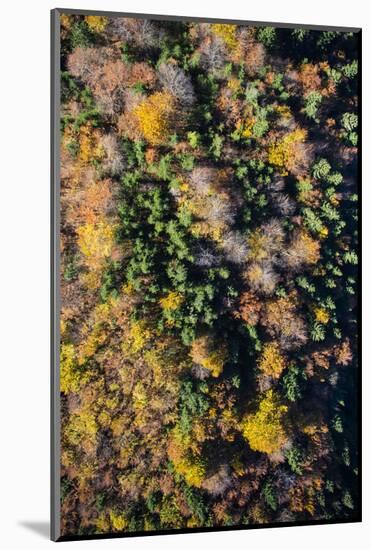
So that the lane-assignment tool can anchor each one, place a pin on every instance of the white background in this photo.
(24, 271)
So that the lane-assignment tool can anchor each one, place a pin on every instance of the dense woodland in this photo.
(208, 275)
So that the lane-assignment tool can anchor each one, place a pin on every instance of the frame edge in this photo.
(54, 284)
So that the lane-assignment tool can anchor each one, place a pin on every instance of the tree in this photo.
(264, 429)
(85, 63)
(249, 52)
(210, 354)
(312, 103)
(343, 353)
(302, 251)
(142, 33)
(96, 23)
(112, 162)
(213, 53)
(72, 377)
(266, 35)
(271, 362)
(290, 153)
(156, 117)
(118, 521)
(249, 307)
(349, 122)
(176, 82)
(186, 461)
(171, 301)
(262, 278)
(219, 482)
(109, 88)
(282, 321)
(227, 33)
(321, 169)
(309, 77)
(96, 241)
(235, 247)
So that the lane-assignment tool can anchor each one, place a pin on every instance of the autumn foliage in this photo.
(265, 430)
(209, 277)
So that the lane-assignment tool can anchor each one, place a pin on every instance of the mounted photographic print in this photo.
(205, 285)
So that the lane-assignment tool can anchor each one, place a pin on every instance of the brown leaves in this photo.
(309, 77)
(302, 251)
(343, 353)
(108, 76)
(249, 308)
(282, 321)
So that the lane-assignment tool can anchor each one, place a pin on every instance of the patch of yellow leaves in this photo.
(264, 430)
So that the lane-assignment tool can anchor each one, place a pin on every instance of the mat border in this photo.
(55, 272)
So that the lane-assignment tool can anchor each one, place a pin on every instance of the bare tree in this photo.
(218, 483)
(206, 257)
(86, 63)
(112, 162)
(141, 32)
(262, 278)
(213, 53)
(219, 211)
(282, 204)
(276, 185)
(274, 236)
(234, 247)
(250, 52)
(302, 251)
(200, 372)
(201, 180)
(283, 322)
(174, 79)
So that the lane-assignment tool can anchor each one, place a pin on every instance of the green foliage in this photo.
(196, 503)
(311, 220)
(351, 257)
(294, 457)
(192, 403)
(351, 69)
(292, 383)
(317, 332)
(194, 139)
(299, 35)
(349, 122)
(326, 38)
(312, 102)
(266, 35)
(216, 146)
(71, 268)
(80, 35)
(321, 169)
(347, 500)
(270, 496)
(337, 423)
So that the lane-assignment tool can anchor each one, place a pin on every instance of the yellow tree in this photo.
(155, 116)
(227, 33)
(290, 154)
(272, 362)
(96, 23)
(185, 458)
(265, 429)
(208, 354)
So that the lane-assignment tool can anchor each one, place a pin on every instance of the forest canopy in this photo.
(209, 239)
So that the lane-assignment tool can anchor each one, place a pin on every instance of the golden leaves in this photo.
(265, 430)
